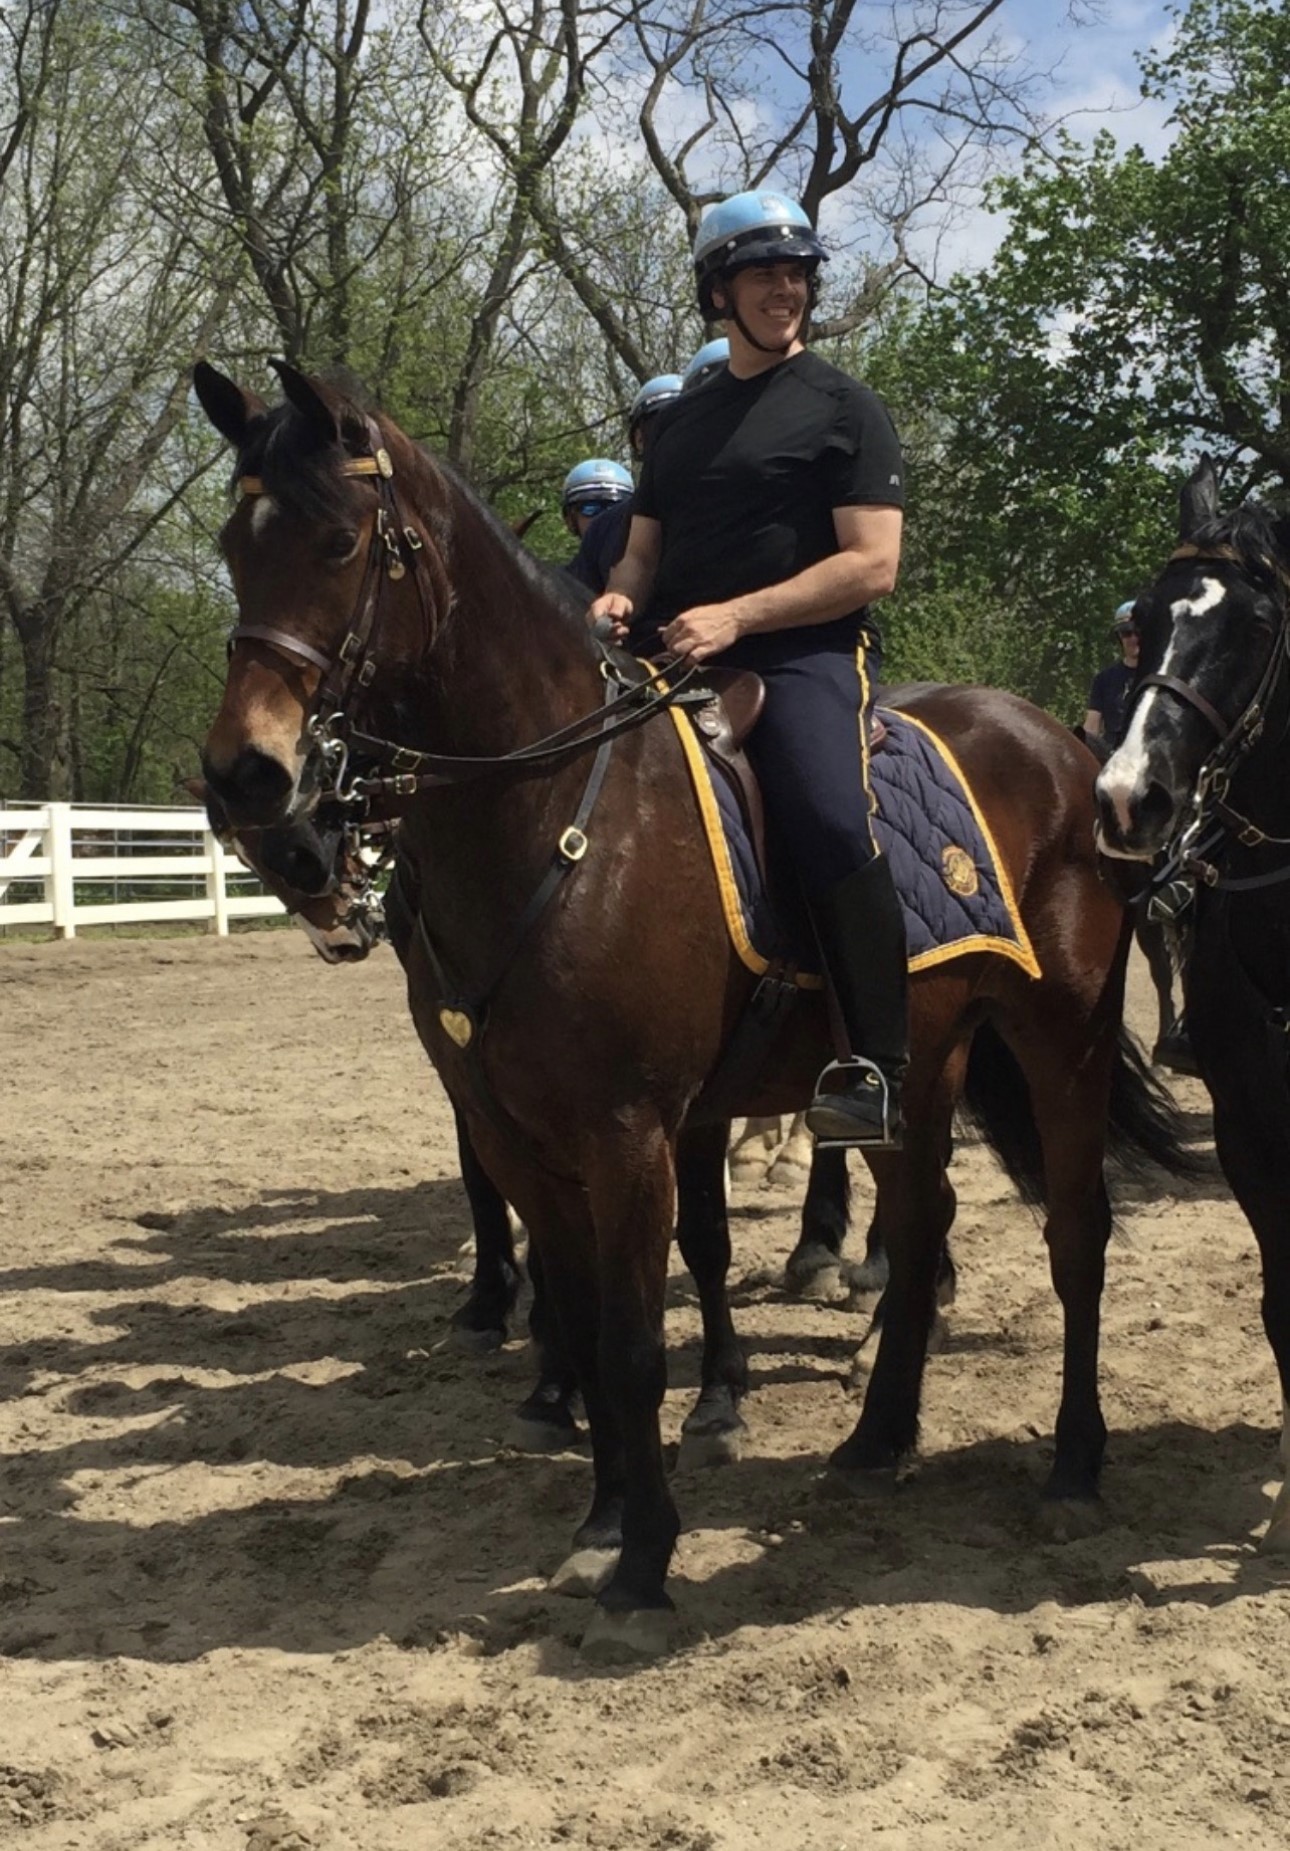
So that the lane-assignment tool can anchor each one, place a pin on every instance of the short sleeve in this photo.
(862, 457)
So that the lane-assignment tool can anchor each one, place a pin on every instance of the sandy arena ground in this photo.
(269, 1578)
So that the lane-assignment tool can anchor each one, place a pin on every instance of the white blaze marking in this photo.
(263, 509)
(1125, 775)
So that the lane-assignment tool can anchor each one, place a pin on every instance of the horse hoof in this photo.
(582, 1575)
(789, 1171)
(710, 1446)
(475, 1342)
(865, 1277)
(815, 1274)
(748, 1171)
(859, 1484)
(630, 1638)
(529, 1435)
(1063, 1520)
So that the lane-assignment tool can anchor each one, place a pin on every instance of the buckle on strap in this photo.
(573, 845)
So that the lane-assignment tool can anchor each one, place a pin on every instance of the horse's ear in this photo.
(1198, 502)
(316, 403)
(230, 407)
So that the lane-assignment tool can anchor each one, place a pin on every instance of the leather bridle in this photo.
(1236, 739)
(395, 773)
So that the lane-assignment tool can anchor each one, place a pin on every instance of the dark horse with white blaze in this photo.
(574, 1013)
(1203, 780)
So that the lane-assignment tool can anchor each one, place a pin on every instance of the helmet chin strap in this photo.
(752, 340)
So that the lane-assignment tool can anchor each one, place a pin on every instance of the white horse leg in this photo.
(792, 1165)
(752, 1148)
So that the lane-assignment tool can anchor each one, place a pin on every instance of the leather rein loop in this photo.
(353, 668)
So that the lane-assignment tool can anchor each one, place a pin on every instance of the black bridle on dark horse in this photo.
(634, 696)
(1211, 818)
(393, 773)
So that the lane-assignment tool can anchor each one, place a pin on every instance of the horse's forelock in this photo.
(303, 475)
(1253, 531)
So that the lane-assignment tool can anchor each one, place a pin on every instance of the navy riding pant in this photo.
(810, 749)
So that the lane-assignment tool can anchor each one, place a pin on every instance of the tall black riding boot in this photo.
(861, 929)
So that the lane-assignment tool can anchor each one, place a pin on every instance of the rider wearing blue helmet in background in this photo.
(767, 521)
(604, 537)
(711, 357)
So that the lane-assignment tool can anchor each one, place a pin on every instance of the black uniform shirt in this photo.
(1109, 696)
(602, 545)
(743, 476)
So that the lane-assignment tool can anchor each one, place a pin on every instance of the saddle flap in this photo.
(741, 696)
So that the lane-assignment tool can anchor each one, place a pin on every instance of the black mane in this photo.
(1254, 531)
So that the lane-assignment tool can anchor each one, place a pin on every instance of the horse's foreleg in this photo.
(713, 1430)
(1250, 1135)
(630, 1188)
(1153, 942)
(480, 1324)
(544, 1422)
(813, 1269)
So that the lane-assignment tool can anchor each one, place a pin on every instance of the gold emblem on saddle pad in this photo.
(457, 1025)
(958, 871)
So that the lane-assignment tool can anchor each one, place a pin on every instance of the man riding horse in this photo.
(766, 522)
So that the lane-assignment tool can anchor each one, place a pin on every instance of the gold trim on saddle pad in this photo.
(1021, 952)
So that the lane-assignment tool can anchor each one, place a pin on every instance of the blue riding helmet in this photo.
(751, 228)
(596, 483)
(652, 397)
(710, 358)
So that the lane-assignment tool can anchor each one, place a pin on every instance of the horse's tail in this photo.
(1144, 1127)
(996, 1100)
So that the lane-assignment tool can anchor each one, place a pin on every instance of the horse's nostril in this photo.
(1156, 809)
(255, 787)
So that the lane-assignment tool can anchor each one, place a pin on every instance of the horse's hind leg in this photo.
(1069, 1088)
(714, 1429)
(812, 1270)
(917, 1210)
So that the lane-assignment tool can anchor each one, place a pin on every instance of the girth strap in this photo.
(463, 1015)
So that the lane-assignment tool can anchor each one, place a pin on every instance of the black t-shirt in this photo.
(602, 545)
(1109, 696)
(743, 476)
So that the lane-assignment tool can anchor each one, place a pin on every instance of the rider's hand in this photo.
(616, 608)
(704, 631)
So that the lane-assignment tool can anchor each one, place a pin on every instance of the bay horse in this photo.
(1202, 779)
(570, 973)
(344, 921)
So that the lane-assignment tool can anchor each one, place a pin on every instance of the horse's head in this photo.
(318, 874)
(322, 559)
(1210, 628)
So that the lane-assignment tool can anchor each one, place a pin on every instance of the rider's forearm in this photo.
(830, 588)
(633, 578)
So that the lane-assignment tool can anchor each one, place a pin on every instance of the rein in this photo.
(380, 793)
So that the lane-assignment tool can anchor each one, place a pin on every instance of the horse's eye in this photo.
(340, 547)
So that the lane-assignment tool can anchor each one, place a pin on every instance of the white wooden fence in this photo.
(66, 865)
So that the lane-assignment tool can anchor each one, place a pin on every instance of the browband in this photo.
(377, 464)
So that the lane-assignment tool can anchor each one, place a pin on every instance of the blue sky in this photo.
(1098, 76)
(1090, 47)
